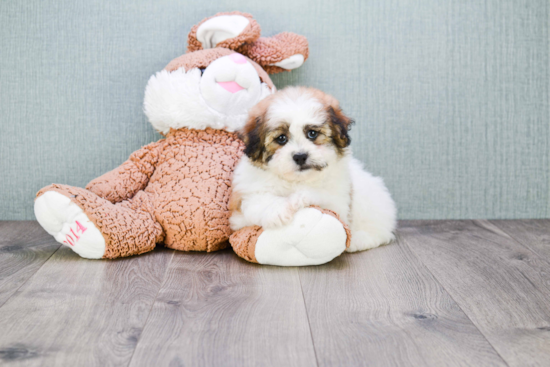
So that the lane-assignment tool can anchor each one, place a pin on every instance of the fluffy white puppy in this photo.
(297, 154)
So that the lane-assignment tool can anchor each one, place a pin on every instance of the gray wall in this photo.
(451, 98)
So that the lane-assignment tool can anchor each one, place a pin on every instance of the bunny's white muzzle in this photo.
(231, 85)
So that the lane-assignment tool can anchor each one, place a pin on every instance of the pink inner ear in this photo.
(232, 87)
(238, 58)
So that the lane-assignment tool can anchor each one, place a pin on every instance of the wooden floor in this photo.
(446, 293)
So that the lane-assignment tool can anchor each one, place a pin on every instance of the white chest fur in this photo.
(330, 190)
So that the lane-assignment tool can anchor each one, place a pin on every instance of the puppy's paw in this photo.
(282, 213)
(278, 218)
(301, 199)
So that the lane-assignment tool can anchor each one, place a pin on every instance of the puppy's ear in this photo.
(340, 124)
(253, 135)
(228, 30)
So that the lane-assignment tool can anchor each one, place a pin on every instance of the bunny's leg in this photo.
(315, 236)
(94, 227)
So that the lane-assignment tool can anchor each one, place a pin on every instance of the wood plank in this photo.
(532, 233)
(383, 308)
(501, 285)
(218, 310)
(24, 248)
(78, 312)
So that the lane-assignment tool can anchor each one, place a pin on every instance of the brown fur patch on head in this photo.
(324, 133)
(338, 122)
(340, 125)
(258, 137)
(271, 145)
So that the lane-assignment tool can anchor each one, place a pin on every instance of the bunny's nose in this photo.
(238, 58)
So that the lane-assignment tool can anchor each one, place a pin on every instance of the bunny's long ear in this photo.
(283, 52)
(229, 30)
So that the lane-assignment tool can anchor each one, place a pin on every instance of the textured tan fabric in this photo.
(128, 227)
(264, 50)
(250, 33)
(174, 191)
(270, 50)
(192, 184)
(197, 59)
(244, 240)
(203, 58)
(123, 182)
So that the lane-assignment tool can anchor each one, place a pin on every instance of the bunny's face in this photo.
(231, 85)
(223, 74)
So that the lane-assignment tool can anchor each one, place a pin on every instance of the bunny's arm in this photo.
(123, 182)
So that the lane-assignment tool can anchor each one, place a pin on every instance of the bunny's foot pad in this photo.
(69, 225)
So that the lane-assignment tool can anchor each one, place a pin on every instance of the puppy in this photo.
(297, 154)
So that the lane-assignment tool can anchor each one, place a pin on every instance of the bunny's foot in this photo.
(315, 236)
(69, 225)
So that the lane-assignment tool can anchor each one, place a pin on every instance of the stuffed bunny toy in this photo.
(176, 191)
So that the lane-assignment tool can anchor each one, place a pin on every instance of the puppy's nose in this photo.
(238, 58)
(300, 158)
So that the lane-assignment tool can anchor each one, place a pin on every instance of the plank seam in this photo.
(307, 318)
(29, 278)
(525, 246)
(495, 223)
(152, 305)
(402, 240)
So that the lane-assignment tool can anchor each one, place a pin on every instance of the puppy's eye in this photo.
(281, 139)
(312, 134)
(202, 70)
